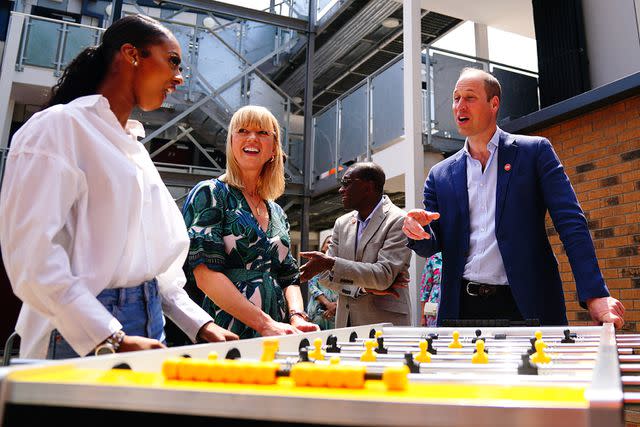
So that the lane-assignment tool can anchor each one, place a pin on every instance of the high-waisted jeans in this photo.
(138, 309)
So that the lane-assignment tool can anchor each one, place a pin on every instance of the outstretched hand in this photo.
(318, 262)
(415, 221)
(606, 309)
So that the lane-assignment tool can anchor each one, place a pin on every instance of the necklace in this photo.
(256, 206)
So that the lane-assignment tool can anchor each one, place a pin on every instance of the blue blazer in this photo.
(534, 184)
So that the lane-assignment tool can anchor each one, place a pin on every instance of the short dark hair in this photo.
(369, 171)
(491, 83)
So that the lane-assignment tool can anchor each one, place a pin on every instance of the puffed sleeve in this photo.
(203, 214)
(38, 197)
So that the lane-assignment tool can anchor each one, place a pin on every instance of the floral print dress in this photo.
(430, 284)
(226, 237)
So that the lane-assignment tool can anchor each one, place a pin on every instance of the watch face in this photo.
(105, 349)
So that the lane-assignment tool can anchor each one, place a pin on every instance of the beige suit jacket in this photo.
(379, 258)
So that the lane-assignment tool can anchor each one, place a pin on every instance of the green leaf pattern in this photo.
(226, 237)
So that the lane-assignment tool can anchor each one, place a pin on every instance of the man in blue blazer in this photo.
(485, 209)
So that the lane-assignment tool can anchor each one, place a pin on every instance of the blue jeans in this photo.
(139, 309)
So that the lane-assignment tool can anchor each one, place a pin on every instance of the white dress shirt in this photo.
(484, 263)
(82, 209)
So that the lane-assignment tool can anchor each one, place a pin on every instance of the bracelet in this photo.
(111, 344)
(302, 314)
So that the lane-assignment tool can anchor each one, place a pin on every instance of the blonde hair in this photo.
(271, 180)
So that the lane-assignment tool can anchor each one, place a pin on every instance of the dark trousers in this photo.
(498, 305)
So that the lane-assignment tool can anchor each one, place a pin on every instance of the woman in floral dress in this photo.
(322, 301)
(430, 289)
(240, 253)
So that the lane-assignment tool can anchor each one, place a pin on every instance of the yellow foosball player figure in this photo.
(456, 340)
(480, 356)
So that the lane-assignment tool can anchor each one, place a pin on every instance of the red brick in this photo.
(621, 167)
(616, 262)
(627, 294)
(625, 208)
(613, 220)
(629, 134)
(631, 197)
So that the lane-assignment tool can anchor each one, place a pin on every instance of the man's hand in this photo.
(415, 221)
(318, 262)
(210, 332)
(606, 309)
(402, 281)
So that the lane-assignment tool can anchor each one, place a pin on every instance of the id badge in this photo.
(430, 309)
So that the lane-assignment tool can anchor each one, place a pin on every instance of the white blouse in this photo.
(82, 209)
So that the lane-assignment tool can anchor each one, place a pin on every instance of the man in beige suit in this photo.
(367, 261)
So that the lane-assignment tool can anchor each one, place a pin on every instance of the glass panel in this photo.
(324, 144)
(325, 9)
(353, 125)
(218, 65)
(78, 38)
(519, 94)
(446, 70)
(258, 41)
(387, 105)
(262, 94)
(295, 151)
(42, 43)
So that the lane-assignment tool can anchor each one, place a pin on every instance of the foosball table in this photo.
(375, 375)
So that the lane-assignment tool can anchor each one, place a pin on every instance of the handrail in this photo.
(57, 21)
(479, 59)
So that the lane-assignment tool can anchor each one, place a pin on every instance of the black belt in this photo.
(476, 289)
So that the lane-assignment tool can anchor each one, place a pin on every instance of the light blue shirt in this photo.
(355, 291)
(484, 263)
(362, 224)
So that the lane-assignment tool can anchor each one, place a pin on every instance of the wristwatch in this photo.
(111, 344)
(302, 314)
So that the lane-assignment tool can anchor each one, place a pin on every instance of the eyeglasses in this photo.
(261, 134)
(345, 182)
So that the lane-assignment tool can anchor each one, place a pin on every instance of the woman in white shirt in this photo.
(92, 240)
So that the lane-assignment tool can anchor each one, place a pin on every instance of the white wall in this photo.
(613, 41)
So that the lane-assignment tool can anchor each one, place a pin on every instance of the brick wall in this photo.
(600, 151)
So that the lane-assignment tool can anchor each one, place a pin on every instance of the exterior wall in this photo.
(612, 54)
(600, 151)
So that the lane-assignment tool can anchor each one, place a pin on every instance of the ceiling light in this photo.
(391, 23)
(209, 23)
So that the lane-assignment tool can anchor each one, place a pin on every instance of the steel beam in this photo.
(213, 95)
(233, 11)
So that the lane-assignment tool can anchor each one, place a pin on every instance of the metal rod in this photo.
(308, 127)
(60, 52)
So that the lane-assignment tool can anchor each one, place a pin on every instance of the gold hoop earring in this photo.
(272, 158)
